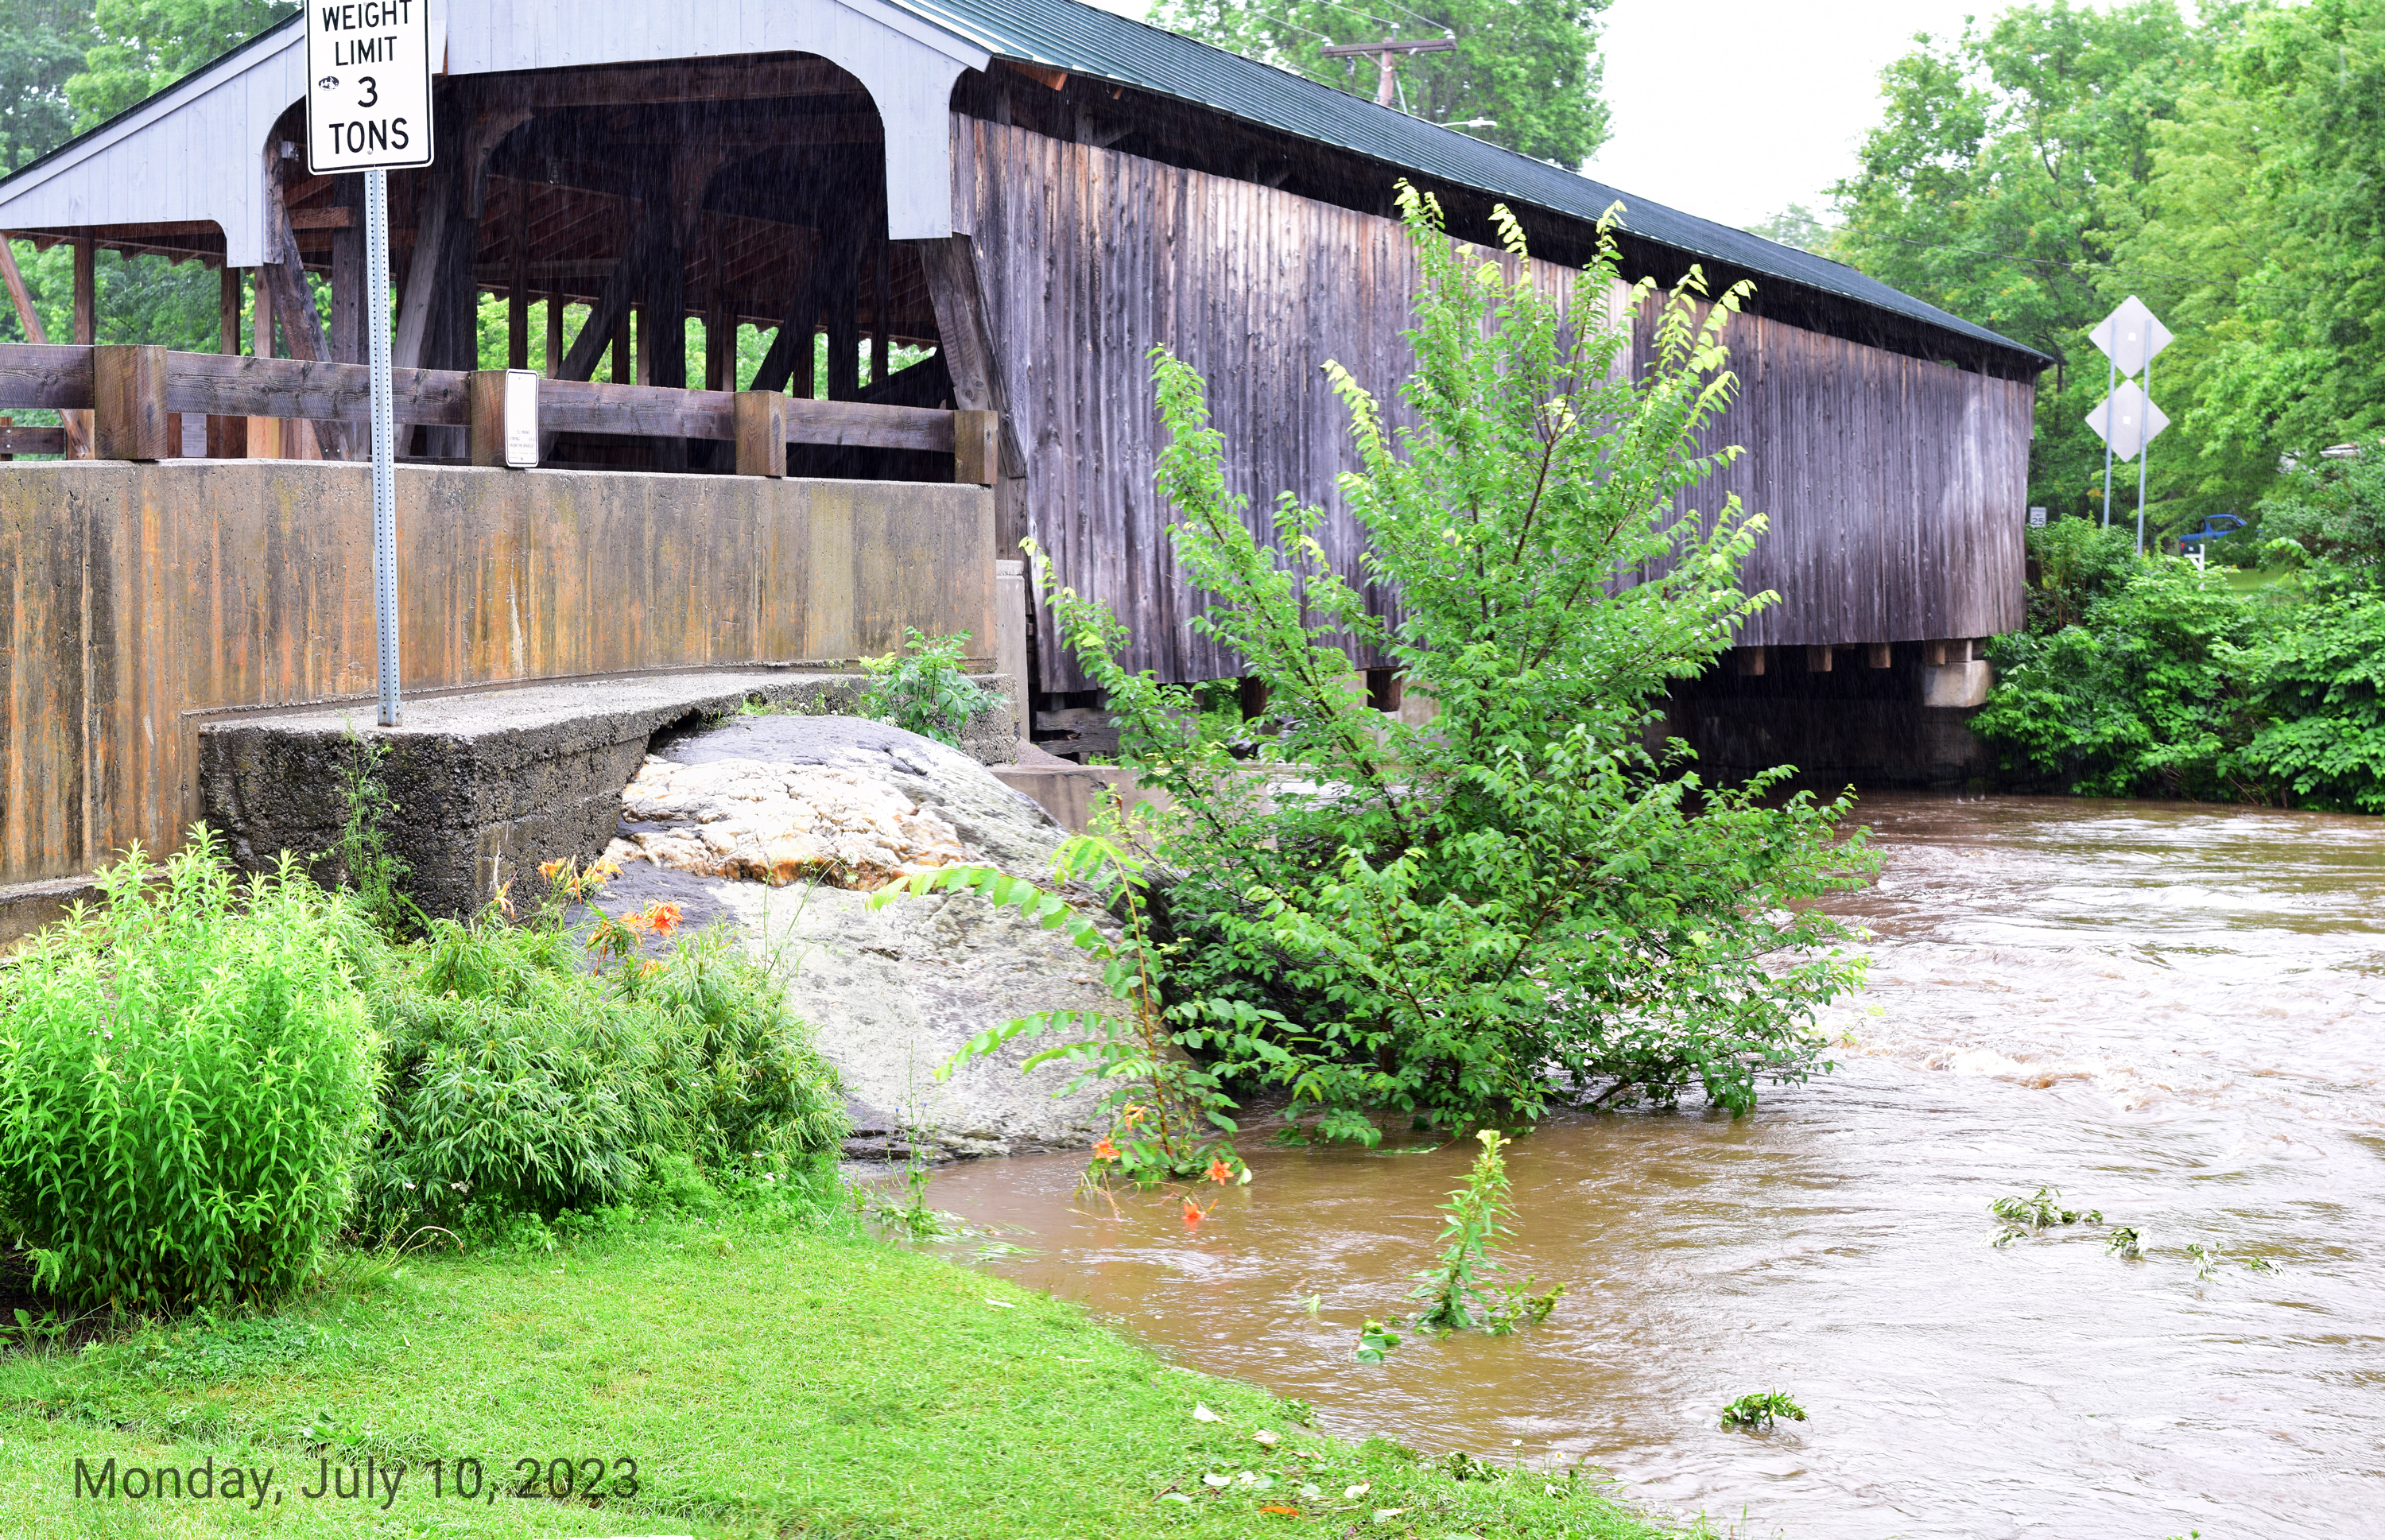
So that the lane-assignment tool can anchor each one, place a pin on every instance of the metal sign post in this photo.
(368, 109)
(2130, 337)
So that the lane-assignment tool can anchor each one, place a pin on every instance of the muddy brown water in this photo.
(2174, 1014)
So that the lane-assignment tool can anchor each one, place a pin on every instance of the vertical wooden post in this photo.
(228, 436)
(977, 447)
(804, 356)
(1818, 660)
(128, 397)
(719, 350)
(624, 373)
(1876, 655)
(347, 343)
(844, 344)
(228, 312)
(86, 293)
(553, 333)
(1747, 661)
(761, 421)
(719, 325)
(518, 283)
(86, 328)
(261, 327)
(645, 317)
(264, 432)
(882, 296)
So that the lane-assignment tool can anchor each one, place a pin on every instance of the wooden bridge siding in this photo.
(1088, 258)
(1893, 487)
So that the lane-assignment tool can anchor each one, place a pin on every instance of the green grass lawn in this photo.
(767, 1379)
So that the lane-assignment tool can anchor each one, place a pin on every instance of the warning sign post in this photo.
(368, 109)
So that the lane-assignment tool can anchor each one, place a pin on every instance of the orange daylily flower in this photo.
(663, 917)
(1104, 1150)
(1193, 1212)
(1279, 1507)
(1220, 1172)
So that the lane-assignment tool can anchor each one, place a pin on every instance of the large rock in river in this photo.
(778, 825)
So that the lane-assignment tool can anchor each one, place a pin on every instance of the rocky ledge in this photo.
(781, 826)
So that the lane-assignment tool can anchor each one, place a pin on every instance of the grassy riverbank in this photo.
(768, 1377)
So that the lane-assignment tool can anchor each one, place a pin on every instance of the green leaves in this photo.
(1376, 1340)
(2169, 681)
(921, 689)
(1524, 73)
(516, 1081)
(1754, 1413)
(1460, 913)
(185, 1084)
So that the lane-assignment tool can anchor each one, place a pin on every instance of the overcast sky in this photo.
(1758, 103)
(1732, 108)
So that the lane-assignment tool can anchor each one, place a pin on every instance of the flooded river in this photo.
(2175, 1015)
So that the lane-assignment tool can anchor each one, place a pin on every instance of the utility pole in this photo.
(1387, 84)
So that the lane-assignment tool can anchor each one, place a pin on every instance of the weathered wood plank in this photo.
(57, 375)
(231, 384)
(32, 441)
(129, 418)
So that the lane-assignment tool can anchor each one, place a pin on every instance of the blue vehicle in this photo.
(2215, 526)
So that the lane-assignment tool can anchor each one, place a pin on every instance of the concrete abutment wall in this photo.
(141, 602)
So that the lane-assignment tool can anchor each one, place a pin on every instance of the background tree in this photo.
(146, 46)
(42, 44)
(2008, 174)
(1796, 225)
(2267, 201)
(1529, 66)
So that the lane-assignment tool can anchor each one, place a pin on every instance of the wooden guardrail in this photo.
(133, 392)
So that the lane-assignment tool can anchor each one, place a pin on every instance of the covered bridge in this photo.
(1038, 190)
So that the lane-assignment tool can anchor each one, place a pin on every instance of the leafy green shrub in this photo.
(1444, 916)
(2333, 510)
(2321, 689)
(2168, 682)
(516, 1081)
(921, 689)
(2077, 562)
(2150, 692)
(185, 1085)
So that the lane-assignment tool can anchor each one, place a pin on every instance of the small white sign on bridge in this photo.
(367, 84)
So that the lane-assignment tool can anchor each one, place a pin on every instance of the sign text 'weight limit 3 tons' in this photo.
(368, 85)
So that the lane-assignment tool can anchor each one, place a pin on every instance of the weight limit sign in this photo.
(367, 85)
